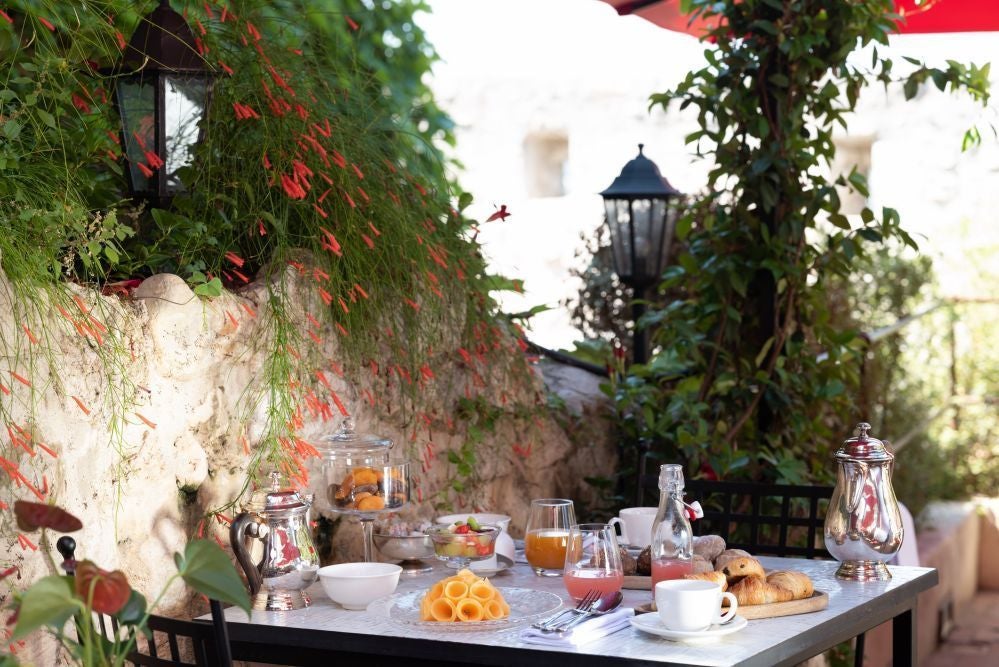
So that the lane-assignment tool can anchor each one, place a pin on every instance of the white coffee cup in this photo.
(636, 525)
(690, 605)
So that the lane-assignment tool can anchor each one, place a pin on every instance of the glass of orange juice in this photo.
(547, 535)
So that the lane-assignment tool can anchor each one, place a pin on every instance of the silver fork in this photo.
(581, 608)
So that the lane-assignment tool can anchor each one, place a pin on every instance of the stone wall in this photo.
(142, 483)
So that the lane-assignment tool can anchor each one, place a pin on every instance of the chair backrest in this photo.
(174, 641)
(763, 519)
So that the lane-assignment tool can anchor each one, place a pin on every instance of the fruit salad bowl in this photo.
(461, 542)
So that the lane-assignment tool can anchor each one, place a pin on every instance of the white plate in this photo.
(502, 565)
(525, 605)
(652, 624)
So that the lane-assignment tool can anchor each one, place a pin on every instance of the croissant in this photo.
(798, 583)
(739, 568)
(756, 590)
(714, 577)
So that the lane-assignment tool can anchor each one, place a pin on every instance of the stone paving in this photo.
(974, 641)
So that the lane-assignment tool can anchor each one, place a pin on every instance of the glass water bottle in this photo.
(672, 539)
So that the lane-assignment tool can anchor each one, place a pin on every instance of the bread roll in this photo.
(798, 583)
(756, 590)
(709, 546)
(729, 555)
(739, 568)
(714, 577)
(700, 564)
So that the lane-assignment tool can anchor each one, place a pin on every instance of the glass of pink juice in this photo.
(581, 582)
(670, 568)
(592, 561)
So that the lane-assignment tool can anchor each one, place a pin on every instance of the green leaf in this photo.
(12, 129)
(761, 357)
(49, 602)
(134, 609)
(464, 200)
(839, 220)
(46, 117)
(208, 570)
(212, 288)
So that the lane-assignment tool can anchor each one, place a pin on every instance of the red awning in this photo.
(921, 16)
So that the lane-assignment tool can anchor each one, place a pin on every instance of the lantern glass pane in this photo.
(641, 221)
(184, 102)
(619, 222)
(658, 234)
(137, 104)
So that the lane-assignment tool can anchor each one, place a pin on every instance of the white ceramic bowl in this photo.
(356, 585)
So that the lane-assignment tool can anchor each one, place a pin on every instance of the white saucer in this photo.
(652, 624)
(502, 565)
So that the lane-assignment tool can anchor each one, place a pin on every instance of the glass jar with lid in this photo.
(361, 477)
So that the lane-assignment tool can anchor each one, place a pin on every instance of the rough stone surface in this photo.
(182, 364)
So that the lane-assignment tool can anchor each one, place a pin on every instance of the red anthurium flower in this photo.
(110, 589)
(31, 516)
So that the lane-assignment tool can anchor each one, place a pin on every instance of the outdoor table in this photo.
(324, 631)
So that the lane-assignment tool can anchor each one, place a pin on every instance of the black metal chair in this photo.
(172, 642)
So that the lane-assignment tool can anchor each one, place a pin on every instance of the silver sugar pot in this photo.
(863, 525)
(273, 544)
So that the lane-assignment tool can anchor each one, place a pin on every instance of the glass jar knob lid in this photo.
(347, 439)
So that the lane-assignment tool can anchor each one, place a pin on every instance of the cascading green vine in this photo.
(320, 173)
(751, 377)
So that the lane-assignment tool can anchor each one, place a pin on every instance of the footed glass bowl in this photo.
(409, 549)
(459, 549)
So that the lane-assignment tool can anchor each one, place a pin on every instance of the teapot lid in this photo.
(863, 447)
(348, 441)
(276, 496)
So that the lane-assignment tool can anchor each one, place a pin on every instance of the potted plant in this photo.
(55, 599)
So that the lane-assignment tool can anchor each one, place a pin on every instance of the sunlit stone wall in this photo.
(141, 479)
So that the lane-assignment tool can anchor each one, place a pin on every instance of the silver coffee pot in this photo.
(863, 525)
(273, 544)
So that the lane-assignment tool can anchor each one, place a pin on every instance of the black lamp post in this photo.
(641, 213)
(162, 91)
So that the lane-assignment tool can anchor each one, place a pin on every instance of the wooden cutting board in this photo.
(817, 602)
(637, 583)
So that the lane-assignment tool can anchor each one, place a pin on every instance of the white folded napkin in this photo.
(587, 631)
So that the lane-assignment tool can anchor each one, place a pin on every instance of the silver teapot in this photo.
(863, 525)
(273, 544)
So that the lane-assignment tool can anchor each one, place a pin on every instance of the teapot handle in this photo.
(859, 481)
(253, 524)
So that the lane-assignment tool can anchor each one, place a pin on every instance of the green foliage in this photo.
(341, 110)
(753, 377)
(50, 602)
(207, 569)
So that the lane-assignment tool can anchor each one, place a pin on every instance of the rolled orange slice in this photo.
(469, 609)
(482, 591)
(455, 590)
(495, 610)
(442, 609)
(425, 614)
(436, 591)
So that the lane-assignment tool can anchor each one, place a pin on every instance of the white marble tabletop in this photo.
(853, 607)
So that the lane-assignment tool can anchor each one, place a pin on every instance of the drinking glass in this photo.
(592, 561)
(547, 535)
